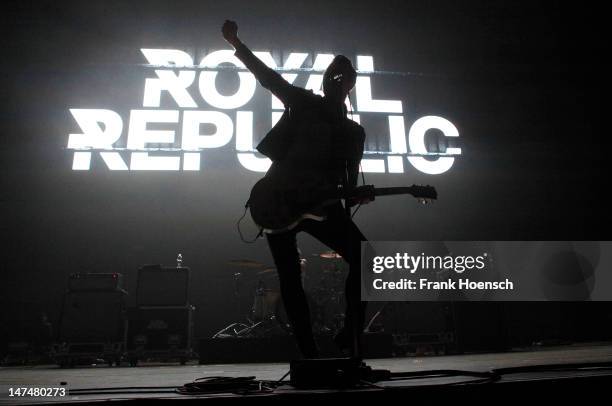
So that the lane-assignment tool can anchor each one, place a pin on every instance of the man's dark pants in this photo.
(340, 234)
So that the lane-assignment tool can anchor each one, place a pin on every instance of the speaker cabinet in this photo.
(162, 286)
(93, 316)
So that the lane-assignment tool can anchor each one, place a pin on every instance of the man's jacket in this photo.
(311, 131)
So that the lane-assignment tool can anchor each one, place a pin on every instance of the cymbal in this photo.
(329, 255)
(246, 263)
(266, 271)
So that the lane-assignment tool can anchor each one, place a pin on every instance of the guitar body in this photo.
(295, 187)
(279, 202)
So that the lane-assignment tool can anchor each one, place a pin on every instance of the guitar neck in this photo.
(420, 192)
(387, 191)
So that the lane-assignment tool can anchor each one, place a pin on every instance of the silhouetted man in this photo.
(316, 122)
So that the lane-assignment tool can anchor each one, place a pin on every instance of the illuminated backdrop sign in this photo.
(101, 129)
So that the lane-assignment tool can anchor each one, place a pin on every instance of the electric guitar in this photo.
(278, 205)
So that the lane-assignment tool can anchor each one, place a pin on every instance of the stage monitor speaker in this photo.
(162, 286)
(93, 316)
(95, 281)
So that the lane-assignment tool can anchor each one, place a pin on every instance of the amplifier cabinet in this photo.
(95, 281)
(162, 286)
(93, 316)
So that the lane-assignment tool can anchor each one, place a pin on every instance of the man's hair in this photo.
(343, 64)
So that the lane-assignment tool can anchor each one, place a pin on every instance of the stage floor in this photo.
(168, 375)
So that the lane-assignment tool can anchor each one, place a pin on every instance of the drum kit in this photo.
(266, 314)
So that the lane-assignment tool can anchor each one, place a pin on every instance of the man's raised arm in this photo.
(268, 78)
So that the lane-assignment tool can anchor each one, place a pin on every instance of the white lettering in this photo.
(139, 136)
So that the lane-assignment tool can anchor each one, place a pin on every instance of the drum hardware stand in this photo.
(240, 329)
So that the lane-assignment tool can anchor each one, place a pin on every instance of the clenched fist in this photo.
(230, 32)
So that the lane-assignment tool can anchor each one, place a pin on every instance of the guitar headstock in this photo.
(426, 201)
(425, 194)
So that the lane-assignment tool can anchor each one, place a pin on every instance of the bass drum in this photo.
(265, 304)
(316, 316)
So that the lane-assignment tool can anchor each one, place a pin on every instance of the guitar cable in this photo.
(259, 234)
